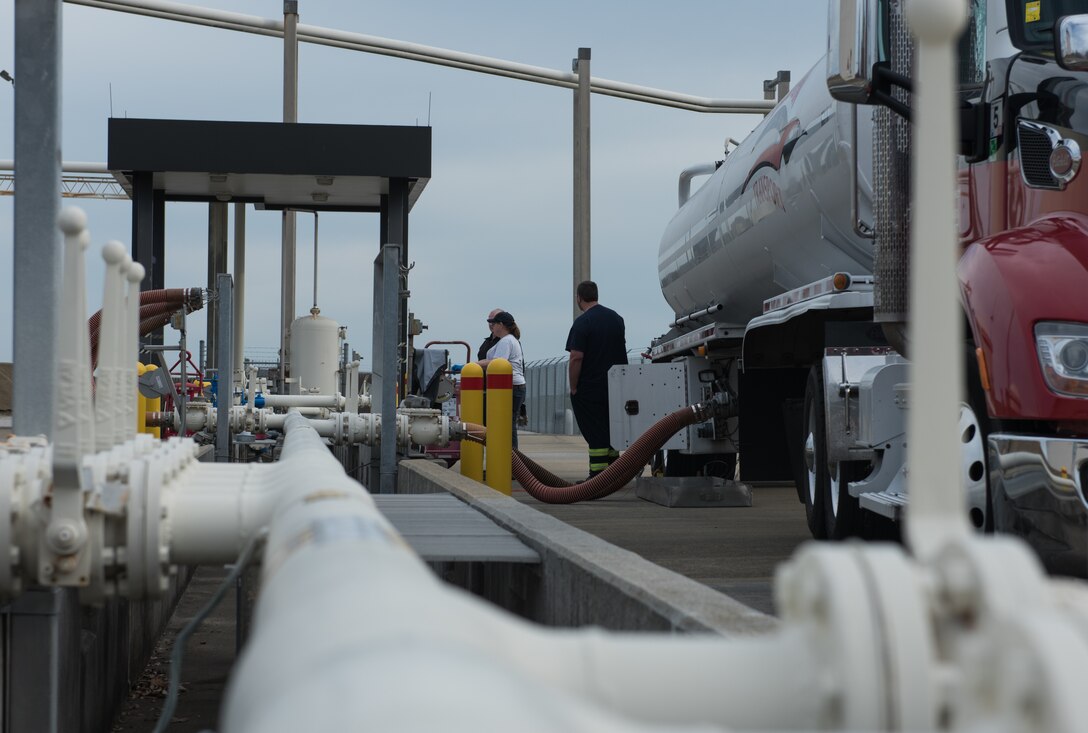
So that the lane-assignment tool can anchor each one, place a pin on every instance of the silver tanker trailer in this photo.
(787, 272)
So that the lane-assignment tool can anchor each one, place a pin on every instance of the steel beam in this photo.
(37, 248)
(581, 173)
(225, 377)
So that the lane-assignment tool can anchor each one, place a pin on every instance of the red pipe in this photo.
(193, 297)
(152, 303)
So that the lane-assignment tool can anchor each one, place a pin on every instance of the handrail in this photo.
(427, 54)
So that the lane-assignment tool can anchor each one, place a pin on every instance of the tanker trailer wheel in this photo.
(814, 476)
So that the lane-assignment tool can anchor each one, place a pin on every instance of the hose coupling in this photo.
(721, 405)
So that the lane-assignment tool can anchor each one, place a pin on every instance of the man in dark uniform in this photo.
(597, 341)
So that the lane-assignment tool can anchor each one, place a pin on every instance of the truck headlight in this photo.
(1063, 355)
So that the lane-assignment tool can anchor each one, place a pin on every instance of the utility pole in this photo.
(287, 249)
(581, 172)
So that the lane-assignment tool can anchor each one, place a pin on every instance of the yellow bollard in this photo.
(500, 411)
(154, 404)
(472, 410)
(141, 402)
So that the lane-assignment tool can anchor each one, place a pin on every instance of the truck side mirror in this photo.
(853, 49)
(1071, 40)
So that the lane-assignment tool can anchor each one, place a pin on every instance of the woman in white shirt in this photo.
(505, 329)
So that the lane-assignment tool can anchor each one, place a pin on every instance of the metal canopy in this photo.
(316, 167)
(288, 165)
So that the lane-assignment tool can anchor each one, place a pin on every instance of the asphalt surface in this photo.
(732, 549)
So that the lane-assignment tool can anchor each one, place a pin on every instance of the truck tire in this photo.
(814, 478)
(825, 483)
(842, 513)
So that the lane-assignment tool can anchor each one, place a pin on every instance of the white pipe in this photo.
(352, 384)
(937, 494)
(427, 54)
(110, 401)
(73, 424)
(313, 412)
(135, 276)
(217, 512)
(347, 602)
(335, 401)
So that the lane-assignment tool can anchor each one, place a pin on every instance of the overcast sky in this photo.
(493, 227)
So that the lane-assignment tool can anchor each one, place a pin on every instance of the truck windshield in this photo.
(1031, 22)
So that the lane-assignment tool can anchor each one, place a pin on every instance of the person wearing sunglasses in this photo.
(508, 346)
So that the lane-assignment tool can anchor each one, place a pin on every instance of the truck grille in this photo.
(1036, 144)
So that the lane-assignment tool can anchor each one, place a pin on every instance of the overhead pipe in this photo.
(426, 54)
(67, 166)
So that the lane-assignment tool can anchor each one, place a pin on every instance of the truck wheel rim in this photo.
(973, 461)
(833, 473)
(810, 464)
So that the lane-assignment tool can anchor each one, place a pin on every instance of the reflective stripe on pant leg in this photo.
(598, 459)
(592, 416)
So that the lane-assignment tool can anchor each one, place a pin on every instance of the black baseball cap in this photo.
(504, 318)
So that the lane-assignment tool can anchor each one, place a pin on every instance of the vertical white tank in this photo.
(315, 353)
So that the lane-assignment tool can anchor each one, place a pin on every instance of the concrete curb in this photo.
(584, 580)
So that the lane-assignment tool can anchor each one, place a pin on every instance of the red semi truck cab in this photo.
(1024, 280)
(787, 272)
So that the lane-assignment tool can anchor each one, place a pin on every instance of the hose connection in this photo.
(550, 489)
(721, 405)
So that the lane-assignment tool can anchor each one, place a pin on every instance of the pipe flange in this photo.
(1025, 670)
(829, 592)
(347, 435)
(975, 577)
(155, 582)
(130, 583)
(10, 584)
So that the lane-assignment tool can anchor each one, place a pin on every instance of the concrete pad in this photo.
(584, 580)
(734, 551)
